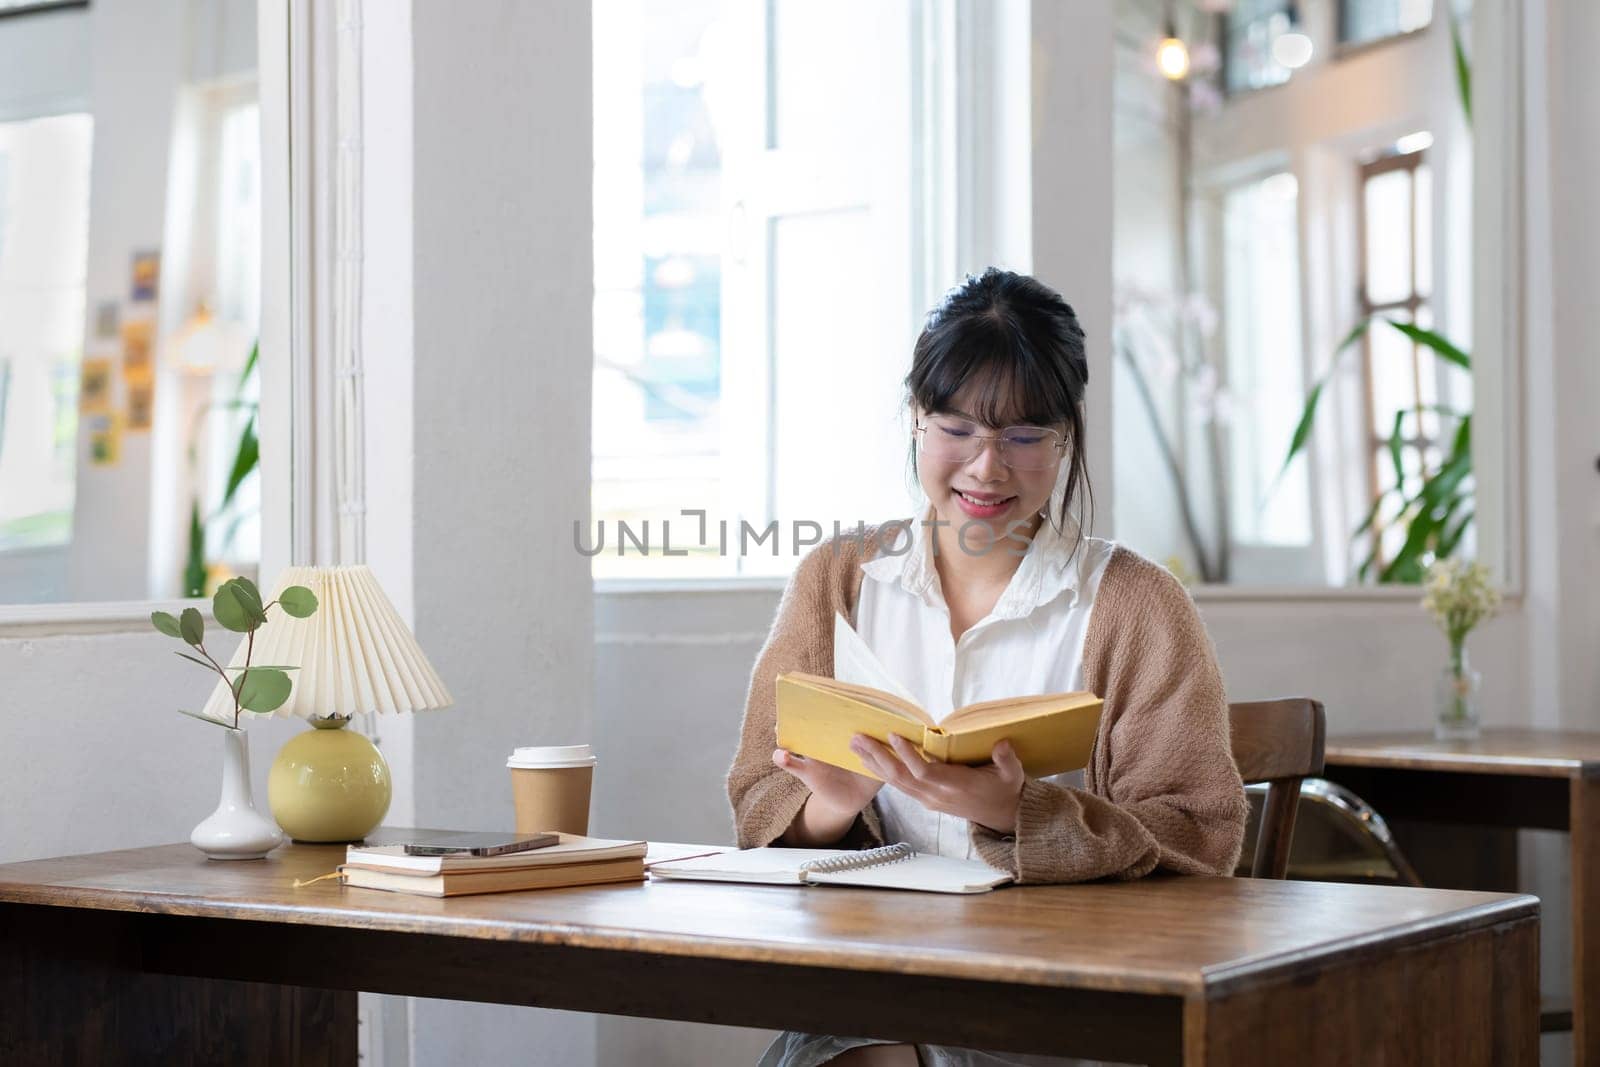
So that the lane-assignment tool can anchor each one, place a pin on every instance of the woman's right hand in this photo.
(837, 797)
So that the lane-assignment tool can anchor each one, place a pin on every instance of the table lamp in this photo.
(354, 654)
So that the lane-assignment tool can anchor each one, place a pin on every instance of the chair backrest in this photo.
(1278, 742)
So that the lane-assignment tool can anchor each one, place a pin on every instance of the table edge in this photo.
(1462, 763)
(1234, 977)
(1205, 982)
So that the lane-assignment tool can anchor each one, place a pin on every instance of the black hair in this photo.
(1022, 346)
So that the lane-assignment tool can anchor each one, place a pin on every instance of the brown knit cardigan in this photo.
(1162, 789)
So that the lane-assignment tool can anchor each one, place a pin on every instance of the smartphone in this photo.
(479, 844)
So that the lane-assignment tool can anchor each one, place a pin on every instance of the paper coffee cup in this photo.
(550, 788)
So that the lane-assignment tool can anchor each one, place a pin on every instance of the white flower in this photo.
(1459, 595)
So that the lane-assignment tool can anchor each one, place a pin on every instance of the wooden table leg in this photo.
(75, 991)
(1470, 999)
(1584, 827)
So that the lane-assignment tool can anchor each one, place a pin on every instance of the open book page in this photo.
(1014, 709)
(855, 662)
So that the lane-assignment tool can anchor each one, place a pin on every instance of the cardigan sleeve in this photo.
(1163, 788)
(766, 798)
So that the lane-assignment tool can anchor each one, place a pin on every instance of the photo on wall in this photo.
(105, 439)
(106, 316)
(141, 405)
(136, 341)
(146, 276)
(94, 394)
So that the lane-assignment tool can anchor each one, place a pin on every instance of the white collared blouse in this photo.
(1030, 643)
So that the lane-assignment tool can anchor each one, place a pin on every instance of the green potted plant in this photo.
(235, 830)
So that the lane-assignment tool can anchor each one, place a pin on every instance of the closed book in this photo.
(572, 849)
(459, 883)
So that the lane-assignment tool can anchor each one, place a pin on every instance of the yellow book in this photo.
(818, 716)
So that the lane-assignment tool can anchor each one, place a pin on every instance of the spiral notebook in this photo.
(890, 867)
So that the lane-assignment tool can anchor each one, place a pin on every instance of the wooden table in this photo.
(1518, 778)
(157, 955)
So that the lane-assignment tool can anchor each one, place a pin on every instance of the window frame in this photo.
(1412, 304)
(286, 73)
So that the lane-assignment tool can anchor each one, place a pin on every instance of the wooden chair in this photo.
(1278, 742)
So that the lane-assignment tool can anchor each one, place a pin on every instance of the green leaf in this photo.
(262, 689)
(298, 601)
(1447, 543)
(1396, 443)
(1302, 429)
(1435, 341)
(245, 459)
(194, 566)
(1436, 500)
(1461, 446)
(230, 611)
(250, 597)
(167, 623)
(1372, 515)
(191, 626)
(195, 659)
(1463, 68)
(249, 368)
(209, 719)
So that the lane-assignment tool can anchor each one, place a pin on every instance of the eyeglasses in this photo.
(952, 439)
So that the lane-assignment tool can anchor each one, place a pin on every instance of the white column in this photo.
(1072, 85)
(502, 353)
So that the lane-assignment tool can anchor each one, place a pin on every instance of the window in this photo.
(754, 311)
(1406, 384)
(1249, 30)
(1261, 338)
(44, 247)
(1364, 21)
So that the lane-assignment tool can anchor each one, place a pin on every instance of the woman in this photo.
(997, 594)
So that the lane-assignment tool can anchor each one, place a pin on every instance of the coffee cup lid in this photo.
(539, 757)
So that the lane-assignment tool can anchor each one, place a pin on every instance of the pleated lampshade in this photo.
(354, 653)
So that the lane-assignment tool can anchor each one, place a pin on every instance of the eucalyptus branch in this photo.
(237, 606)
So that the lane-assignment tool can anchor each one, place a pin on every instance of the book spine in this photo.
(936, 743)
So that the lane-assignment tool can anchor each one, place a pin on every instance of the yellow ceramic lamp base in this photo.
(329, 784)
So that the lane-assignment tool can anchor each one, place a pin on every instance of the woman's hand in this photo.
(985, 795)
(837, 797)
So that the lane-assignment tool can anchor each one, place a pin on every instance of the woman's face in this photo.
(982, 494)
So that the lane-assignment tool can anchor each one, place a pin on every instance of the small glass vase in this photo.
(1457, 700)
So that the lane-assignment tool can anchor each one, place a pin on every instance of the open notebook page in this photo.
(923, 872)
(765, 866)
(785, 866)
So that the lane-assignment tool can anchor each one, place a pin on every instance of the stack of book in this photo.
(575, 861)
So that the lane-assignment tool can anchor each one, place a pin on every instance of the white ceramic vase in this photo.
(236, 830)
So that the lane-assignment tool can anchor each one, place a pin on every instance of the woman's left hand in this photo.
(985, 795)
